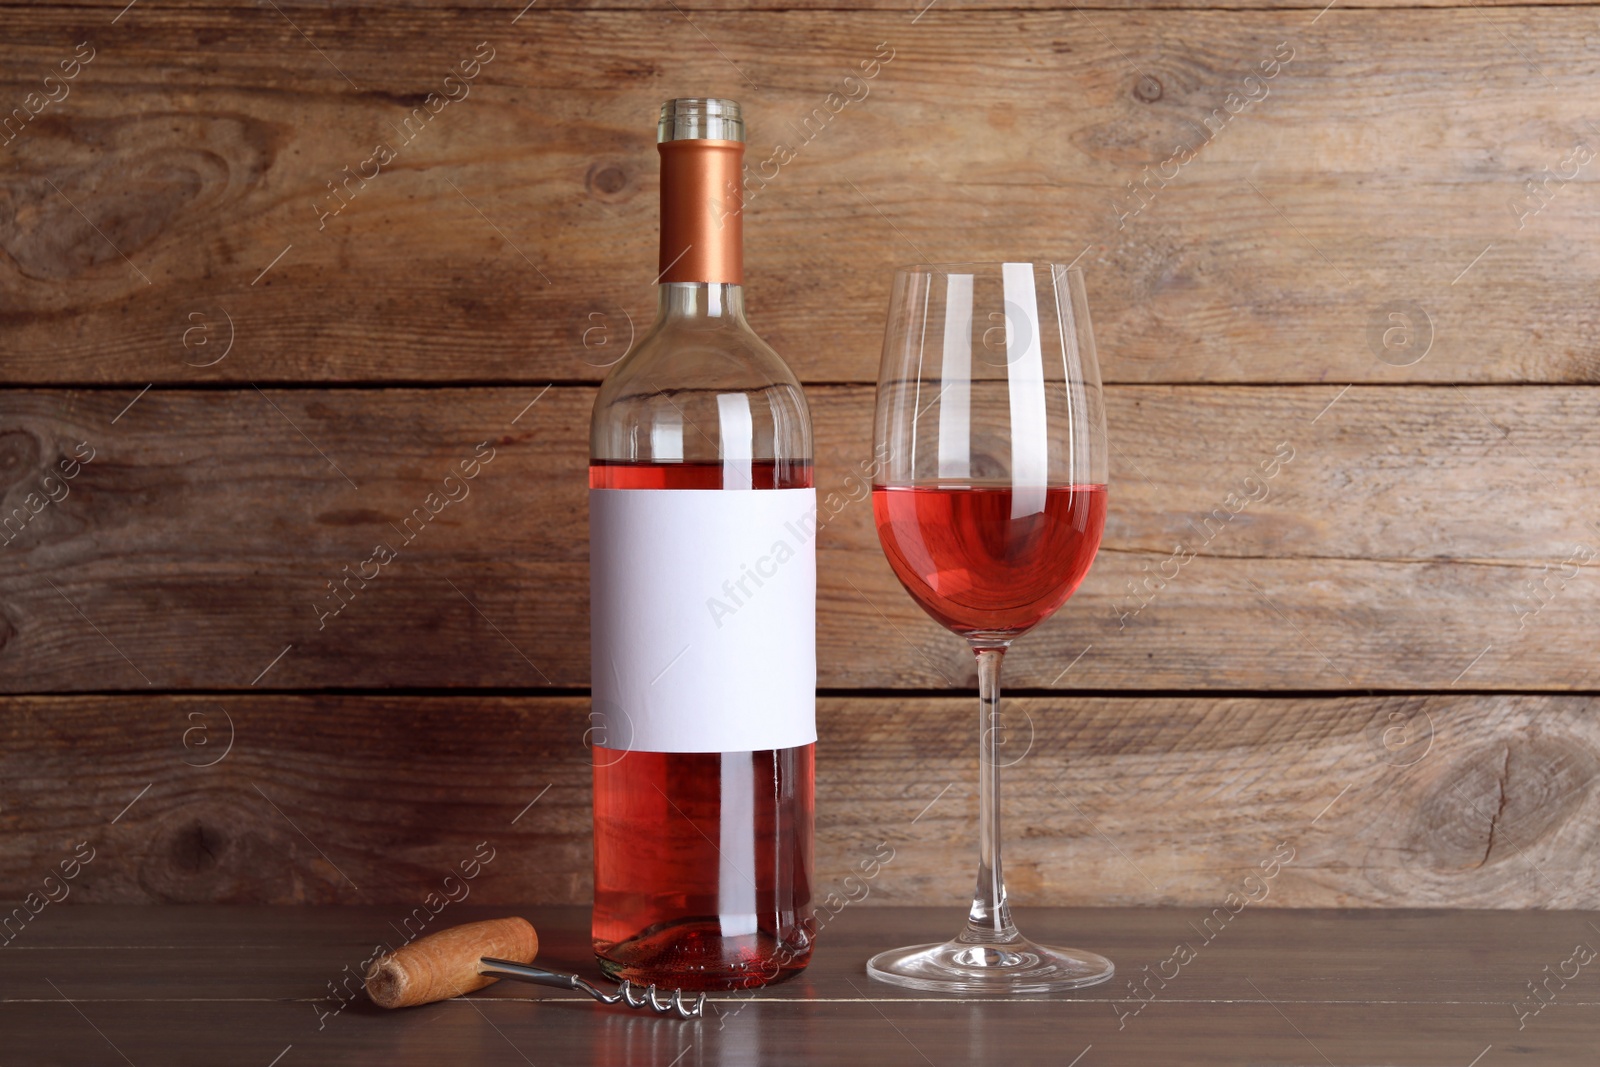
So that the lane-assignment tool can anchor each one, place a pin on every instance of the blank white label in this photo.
(702, 619)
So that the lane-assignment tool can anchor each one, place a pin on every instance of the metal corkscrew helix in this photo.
(625, 994)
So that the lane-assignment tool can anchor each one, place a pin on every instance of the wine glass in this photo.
(989, 502)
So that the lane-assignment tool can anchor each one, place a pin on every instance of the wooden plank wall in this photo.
(1384, 655)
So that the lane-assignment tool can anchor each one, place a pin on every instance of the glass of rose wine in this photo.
(989, 502)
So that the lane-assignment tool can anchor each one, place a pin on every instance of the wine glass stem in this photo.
(990, 919)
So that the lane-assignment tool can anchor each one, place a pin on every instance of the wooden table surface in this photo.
(250, 986)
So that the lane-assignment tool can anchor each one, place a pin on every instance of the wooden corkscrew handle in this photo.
(446, 964)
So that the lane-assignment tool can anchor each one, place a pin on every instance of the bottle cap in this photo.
(700, 119)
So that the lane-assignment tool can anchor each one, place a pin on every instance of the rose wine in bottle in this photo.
(702, 522)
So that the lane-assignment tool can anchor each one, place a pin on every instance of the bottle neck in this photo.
(702, 212)
(717, 303)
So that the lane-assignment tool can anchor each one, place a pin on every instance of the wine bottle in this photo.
(702, 523)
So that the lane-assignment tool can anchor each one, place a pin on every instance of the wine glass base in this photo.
(1015, 966)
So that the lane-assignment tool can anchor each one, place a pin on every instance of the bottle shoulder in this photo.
(673, 397)
(691, 357)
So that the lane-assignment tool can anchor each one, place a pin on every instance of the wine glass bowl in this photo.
(974, 567)
(989, 505)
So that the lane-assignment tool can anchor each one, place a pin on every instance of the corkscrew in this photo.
(452, 961)
(626, 992)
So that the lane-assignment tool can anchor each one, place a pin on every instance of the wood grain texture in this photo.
(1312, 955)
(1480, 801)
(310, 9)
(788, 1034)
(517, 232)
(1418, 538)
(1432, 530)
(1415, 988)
